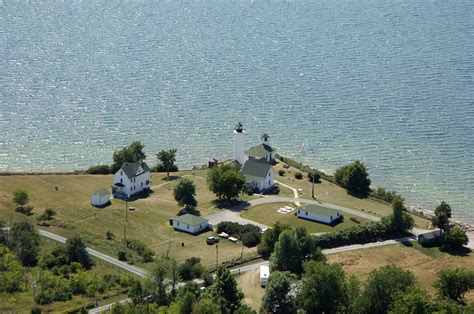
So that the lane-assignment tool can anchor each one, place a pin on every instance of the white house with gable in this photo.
(318, 213)
(191, 223)
(257, 162)
(131, 179)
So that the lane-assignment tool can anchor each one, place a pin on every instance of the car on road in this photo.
(212, 240)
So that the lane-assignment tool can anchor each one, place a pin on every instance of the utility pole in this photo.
(125, 234)
(217, 255)
(312, 192)
(126, 211)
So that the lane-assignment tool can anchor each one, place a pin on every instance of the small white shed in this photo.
(100, 197)
(318, 213)
(264, 275)
(190, 223)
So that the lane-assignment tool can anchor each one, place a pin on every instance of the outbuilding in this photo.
(432, 238)
(190, 223)
(100, 197)
(318, 213)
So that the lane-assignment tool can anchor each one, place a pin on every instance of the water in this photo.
(386, 82)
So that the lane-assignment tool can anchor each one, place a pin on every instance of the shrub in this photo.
(25, 210)
(316, 175)
(141, 249)
(122, 255)
(298, 175)
(281, 172)
(249, 234)
(161, 168)
(191, 269)
(109, 235)
(354, 178)
(385, 195)
(99, 169)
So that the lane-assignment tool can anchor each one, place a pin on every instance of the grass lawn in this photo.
(148, 223)
(267, 214)
(424, 263)
(329, 192)
(249, 283)
(22, 302)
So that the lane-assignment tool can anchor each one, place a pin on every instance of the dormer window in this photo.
(121, 173)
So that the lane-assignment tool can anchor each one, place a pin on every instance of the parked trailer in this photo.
(264, 275)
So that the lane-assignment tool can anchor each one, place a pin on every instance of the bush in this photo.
(249, 234)
(109, 235)
(100, 169)
(385, 195)
(298, 175)
(161, 168)
(25, 210)
(191, 269)
(281, 172)
(316, 175)
(122, 255)
(141, 249)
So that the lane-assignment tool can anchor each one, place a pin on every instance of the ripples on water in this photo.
(386, 82)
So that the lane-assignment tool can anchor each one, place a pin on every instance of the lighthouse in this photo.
(239, 144)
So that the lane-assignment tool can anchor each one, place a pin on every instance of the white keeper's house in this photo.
(131, 179)
(318, 213)
(190, 223)
(256, 162)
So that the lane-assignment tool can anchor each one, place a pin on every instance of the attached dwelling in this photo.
(432, 238)
(191, 223)
(262, 152)
(100, 198)
(318, 213)
(131, 179)
(259, 175)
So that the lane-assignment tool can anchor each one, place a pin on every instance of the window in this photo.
(188, 227)
(141, 184)
(121, 180)
(298, 211)
(147, 182)
(331, 217)
(121, 173)
(306, 213)
(177, 223)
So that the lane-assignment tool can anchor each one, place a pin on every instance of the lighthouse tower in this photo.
(239, 144)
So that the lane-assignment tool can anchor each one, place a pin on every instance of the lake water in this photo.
(386, 82)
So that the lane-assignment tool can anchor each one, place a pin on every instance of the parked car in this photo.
(212, 240)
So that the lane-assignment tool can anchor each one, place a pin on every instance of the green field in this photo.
(148, 223)
(329, 192)
(267, 214)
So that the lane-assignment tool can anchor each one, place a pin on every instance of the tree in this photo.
(24, 241)
(20, 197)
(132, 153)
(292, 249)
(401, 221)
(454, 239)
(205, 306)
(382, 286)
(136, 292)
(354, 178)
(270, 237)
(413, 301)
(226, 291)
(76, 251)
(278, 297)
(226, 181)
(3, 232)
(162, 278)
(453, 284)
(323, 289)
(442, 215)
(167, 159)
(186, 302)
(184, 193)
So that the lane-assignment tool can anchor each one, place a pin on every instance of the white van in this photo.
(264, 275)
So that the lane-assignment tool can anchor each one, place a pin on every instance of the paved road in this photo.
(334, 251)
(107, 258)
(108, 307)
(233, 214)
